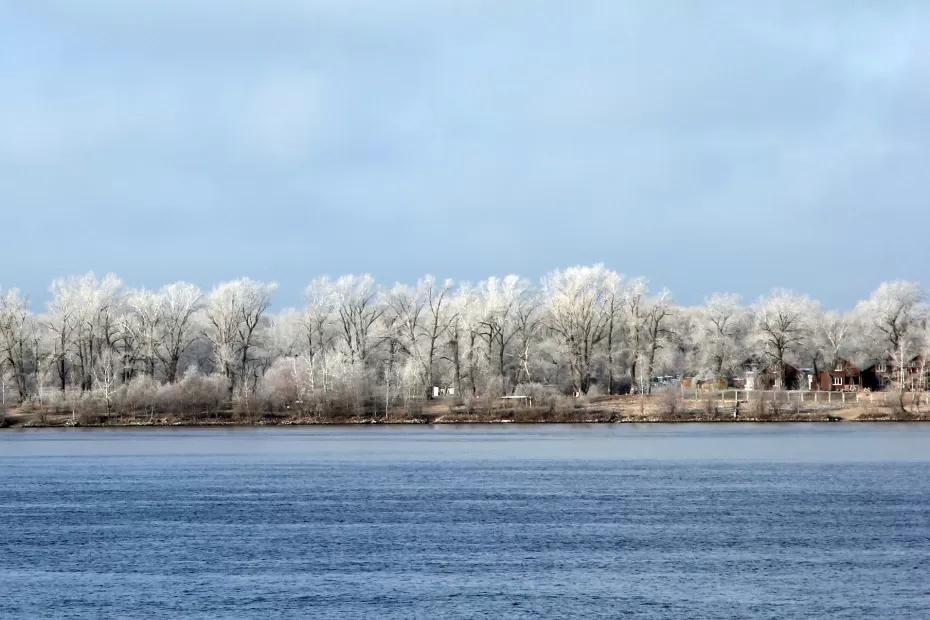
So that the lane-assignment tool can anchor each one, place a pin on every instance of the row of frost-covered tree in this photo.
(579, 330)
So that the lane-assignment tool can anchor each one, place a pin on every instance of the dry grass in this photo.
(666, 407)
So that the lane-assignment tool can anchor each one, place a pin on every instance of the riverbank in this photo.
(604, 410)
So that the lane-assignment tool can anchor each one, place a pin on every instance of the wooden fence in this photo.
(808, 396)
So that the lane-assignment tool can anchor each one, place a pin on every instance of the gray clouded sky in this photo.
(729, 146)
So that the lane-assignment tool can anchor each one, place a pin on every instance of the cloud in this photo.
(477, 137)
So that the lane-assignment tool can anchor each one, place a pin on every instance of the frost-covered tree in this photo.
(463, 344)
(657, 329)
(59, 324)
(17, 341)
(92, 308)
(613, 308)
(578, 312)
(141, 324)
(832, 337)
(635, 318)
(180, 305)
(502, 302)
(435, 323)
(319, 327)
(893, 317)
(783, 327)
(234, 312)
(358, 306)
(724, 324)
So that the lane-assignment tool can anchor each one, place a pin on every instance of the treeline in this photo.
(357, 344)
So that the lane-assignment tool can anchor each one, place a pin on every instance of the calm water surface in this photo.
(655, 521)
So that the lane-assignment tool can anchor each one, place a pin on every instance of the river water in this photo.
(653, 521)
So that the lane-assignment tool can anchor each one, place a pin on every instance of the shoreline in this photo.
(413, 423)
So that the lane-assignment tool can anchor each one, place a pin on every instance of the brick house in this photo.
(844, 376)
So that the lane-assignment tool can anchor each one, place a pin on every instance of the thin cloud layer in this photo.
(720, 147)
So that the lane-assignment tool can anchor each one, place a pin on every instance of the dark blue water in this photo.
(680, 521)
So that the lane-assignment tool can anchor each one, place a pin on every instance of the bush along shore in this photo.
(668, 407)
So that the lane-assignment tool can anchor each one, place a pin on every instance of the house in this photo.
(844, 376)
(884, 374)
(879, 374)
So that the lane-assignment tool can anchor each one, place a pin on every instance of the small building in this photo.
(442, 392)
(760, 374)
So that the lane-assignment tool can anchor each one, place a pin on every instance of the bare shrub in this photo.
(204, 393)
(414, 408)
(91, 418)
(140, 395)
(775, 408)
(247, 408)
(671, 402)
(478, 406)
(58, 401)
(494, 387)
(899, 407)
(168, 398)
(709, 404)
(280, 388)
(195, 394)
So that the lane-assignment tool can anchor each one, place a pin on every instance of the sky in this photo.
(707, 146)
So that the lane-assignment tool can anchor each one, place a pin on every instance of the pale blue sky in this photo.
(728, 146)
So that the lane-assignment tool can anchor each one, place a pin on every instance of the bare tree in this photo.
(318, 317)
(893, 316)
(436, 323)
(657, 330)
(234, 313)
(724, 325)
(502, 299)
(635, 324)
(358, 307)
(832, 329)
(180, 304)
(16, 341)
(576, 301)
(783, 326)
(142, 327)
(92, 308)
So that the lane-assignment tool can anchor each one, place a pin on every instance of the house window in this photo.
(838, 367)
(837, 380)
(882, 367)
